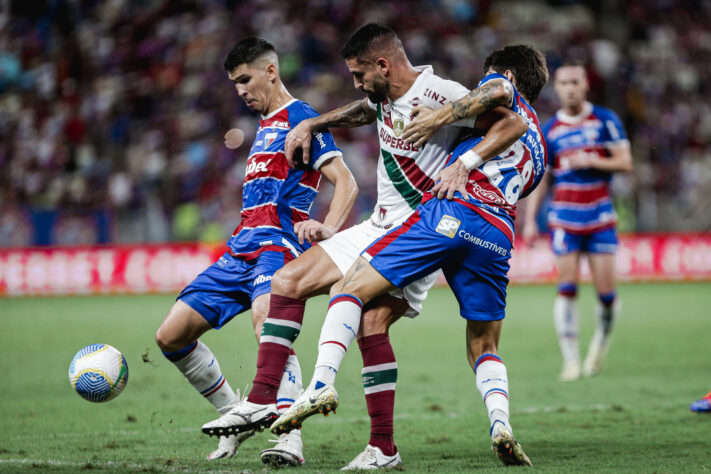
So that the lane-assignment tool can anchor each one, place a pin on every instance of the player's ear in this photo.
(383, 65)
(271, 72)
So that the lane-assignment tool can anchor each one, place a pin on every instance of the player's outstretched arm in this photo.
(344, 194)
(354, 114)
(493, 93)
(504, 128)
(620, 159)
(532, 205)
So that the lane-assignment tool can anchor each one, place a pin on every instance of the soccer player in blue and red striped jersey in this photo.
(275, 229)
(586, 145)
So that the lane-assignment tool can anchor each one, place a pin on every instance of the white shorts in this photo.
(345, 247)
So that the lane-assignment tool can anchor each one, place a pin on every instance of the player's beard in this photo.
(379, 93)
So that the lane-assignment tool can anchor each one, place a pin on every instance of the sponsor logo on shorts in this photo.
(262, 279)
(483, 243)
(448, 226)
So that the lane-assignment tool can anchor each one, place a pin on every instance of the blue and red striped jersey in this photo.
(581, 197)
(275, 197)
(495, 187)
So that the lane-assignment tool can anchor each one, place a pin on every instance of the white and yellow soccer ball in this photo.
(98, 372)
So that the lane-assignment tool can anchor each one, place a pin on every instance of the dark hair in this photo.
(368, 39)
(527, 64)
(247, 51)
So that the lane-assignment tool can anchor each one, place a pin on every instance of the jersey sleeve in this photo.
(371, 104)
(613, 131)
(323, 146)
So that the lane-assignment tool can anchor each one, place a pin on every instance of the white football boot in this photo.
(310, 402)
(244, 416)
(509, 451)
(372, 458)
(288, 451)
(571, 371)
(227, 447)
(597, 354)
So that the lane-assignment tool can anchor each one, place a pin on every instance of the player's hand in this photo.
(312, 231)
(530, 233)
(298, 137)
(451, 179)
(580, 161)
(421, 128)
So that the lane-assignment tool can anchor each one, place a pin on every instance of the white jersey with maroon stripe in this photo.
(404, 172)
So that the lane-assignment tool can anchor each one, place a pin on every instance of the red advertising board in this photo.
(169, 267)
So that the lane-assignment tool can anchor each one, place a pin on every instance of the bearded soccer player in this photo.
(469, 236)
(381, 69)
(586, 144)
(275, 217)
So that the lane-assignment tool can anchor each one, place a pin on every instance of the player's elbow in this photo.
(627, 165)
(517, 124)
(502, 95)
(347, 183)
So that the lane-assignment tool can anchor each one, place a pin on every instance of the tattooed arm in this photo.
(492, 94)
(354, 114)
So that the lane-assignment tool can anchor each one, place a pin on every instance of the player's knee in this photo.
(287, 282)
(377, 320)
(171, 338)
(163, 339)
(568, 289)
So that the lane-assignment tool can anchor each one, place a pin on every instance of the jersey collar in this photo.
(584, 113)
(424, 72)
(272, 114)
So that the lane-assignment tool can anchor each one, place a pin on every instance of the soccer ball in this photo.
(98, 373)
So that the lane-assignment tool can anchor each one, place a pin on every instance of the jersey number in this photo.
(503, 172)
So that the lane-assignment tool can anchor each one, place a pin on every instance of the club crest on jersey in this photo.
(269, 138)
(398, 126)
(448, 226)
(382, 212)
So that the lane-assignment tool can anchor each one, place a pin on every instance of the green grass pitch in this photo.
(633, 417)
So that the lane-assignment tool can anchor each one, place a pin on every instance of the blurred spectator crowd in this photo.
(112, 113)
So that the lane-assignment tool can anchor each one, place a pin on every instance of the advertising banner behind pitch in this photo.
(168, 268)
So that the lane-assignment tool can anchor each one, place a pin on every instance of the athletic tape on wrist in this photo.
(471, 160)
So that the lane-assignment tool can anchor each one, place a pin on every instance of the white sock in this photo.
(337, 333)
(493, 384)
(202, 371)
(291, 384)
(565, 317)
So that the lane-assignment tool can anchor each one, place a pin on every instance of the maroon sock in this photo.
(379, 385)
(275, 346)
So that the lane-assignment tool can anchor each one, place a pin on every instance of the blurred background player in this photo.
(380, 68)
(275, 222)
(586, 144)
(702, 405)
(469, 236)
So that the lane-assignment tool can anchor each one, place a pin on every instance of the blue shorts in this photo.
(228, 286)
(602, 241)
(472, 253)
